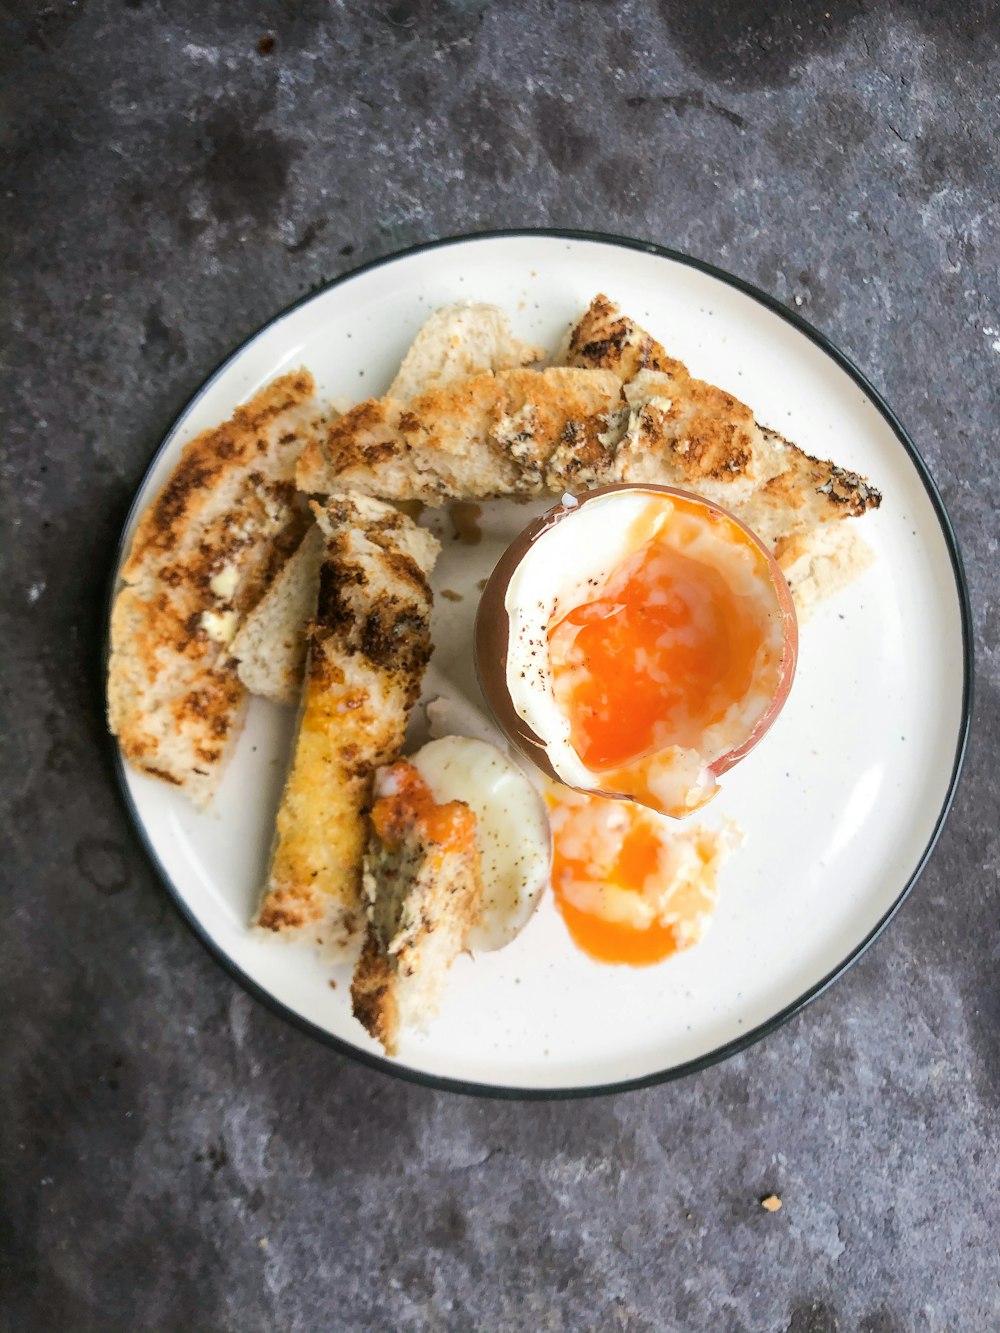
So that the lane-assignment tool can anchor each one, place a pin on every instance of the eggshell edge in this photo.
(492, 634)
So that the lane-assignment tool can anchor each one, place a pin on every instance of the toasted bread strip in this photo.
(683, 432)
(483, 436)
(530, 433)
(202, 555)
(700, 435)
(270, 649)
(423, 890)
(367, 648)
(606, 339)
(455, 342)
(458, 341)
(680, 431)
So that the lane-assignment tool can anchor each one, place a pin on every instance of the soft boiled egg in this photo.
(632, 886)
(637, 642)
(512, 829)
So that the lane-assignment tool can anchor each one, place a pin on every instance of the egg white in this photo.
(682, 891)
(568, 565)
(512, 829)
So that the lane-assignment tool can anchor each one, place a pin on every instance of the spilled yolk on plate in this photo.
(632, 886)
(671, 645)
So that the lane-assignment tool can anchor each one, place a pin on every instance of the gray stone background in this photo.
(175, 1157)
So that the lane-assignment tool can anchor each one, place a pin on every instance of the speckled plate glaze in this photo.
(841, 803)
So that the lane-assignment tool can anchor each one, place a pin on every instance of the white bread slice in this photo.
(423, 891)
(202, 555)
(683, 432)
(483, 436)
(455, 342)
(680, 431)
(458, 341)
(368, 644)
(828, 559)
(270, 649)
(623, 411)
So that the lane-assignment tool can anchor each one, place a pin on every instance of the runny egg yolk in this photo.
(405, 804)
(630, 885)
(667, 646)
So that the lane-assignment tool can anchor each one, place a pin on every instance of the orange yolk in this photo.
(407, 805)
(660, 653)
(625, 894)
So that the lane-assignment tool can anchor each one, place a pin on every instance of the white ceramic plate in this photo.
(840, 804)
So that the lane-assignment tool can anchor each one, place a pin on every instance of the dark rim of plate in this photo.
(762, 1030)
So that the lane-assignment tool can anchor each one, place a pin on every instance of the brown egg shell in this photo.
(492, 637)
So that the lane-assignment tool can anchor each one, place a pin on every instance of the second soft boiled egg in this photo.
(637, 642)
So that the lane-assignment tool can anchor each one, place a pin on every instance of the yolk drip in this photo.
(662, 650)
(406, 804)
(629, 886)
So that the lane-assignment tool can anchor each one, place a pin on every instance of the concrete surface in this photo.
(175, 1157)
